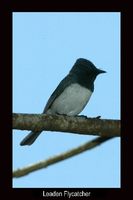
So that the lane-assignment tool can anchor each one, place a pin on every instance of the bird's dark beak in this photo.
(101, 71)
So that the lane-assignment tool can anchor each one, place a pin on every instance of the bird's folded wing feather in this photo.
(60, 88)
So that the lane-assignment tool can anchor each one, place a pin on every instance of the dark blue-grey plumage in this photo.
(72, 94)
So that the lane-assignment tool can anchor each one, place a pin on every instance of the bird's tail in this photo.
(30, 138)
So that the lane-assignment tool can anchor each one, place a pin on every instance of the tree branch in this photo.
(78, 124)
(45, 163)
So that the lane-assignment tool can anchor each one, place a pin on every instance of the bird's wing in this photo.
(60, 88)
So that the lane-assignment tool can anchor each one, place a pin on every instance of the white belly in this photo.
(72, 100)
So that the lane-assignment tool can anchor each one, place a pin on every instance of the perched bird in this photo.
(71, 95)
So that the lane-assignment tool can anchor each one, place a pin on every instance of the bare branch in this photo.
(78, 124)
(45, 163)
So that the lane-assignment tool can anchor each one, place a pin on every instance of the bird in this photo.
(71, 95)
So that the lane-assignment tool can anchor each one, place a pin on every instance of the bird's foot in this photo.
(98, 117)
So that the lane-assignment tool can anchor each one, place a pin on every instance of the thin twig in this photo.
(45, 163)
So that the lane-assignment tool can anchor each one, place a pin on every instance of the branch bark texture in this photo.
(78, 124)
